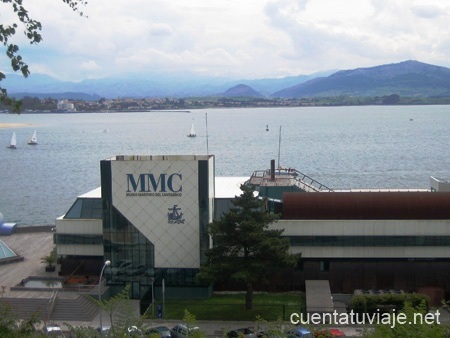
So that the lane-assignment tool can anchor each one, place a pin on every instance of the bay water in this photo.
(361, 147)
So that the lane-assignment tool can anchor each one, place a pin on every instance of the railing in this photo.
(313, 184)
(84, 284)
(51, 304)
(302, 181)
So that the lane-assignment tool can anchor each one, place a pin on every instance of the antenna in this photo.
(206, 120)
(279, 147)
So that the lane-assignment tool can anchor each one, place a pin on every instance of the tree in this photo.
(412, 325)
(244, 247)
(120, 311)
(191, 323)
(32, 30)
(11, 326)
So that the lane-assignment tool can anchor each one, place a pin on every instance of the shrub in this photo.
(385, 302)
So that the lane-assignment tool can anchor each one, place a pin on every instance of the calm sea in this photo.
(341, 147)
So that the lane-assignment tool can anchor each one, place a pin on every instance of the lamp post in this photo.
(108, 262)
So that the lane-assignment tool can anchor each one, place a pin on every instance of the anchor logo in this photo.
(175, 217)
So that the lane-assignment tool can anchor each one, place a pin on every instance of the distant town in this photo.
(51, 105)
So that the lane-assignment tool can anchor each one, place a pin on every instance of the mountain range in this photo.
(407, 78)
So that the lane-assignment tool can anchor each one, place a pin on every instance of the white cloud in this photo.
(90, 66)
(251, 38)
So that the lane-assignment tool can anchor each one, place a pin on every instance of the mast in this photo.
(206, 120)
(279, 148)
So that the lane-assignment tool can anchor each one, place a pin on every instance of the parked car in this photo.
(329, 333)
(299, 332)
(182, 331)
(241, 333)
(162, 331)
(53, 330)
(271, 334)
(133, 331)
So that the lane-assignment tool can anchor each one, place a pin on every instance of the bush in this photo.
(385, 302)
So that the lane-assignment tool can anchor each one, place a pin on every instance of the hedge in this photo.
(385, 302)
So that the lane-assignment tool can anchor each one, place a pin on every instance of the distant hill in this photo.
(408, 78)
(153, 84)
(240, 90)
(59, 96)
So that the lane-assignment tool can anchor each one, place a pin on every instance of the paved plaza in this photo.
(32, 246)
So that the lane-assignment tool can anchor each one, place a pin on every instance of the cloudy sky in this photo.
(233, 38)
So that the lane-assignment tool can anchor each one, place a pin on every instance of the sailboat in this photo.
(33, 139)
(13, 143)
(192, 132)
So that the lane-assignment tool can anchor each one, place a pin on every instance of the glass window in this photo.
(78, 239)
(75, 210)
(85, 208)
(324, 266)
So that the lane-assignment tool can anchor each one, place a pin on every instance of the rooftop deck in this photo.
(284, 177)
(31, 246)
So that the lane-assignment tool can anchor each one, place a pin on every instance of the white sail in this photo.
(13, 142)
(192, 132)
(33, 139)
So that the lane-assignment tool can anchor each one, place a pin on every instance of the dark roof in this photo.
(366, 205)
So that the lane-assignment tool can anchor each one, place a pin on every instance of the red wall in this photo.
(366, 205)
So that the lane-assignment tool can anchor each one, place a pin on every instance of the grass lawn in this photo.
(231, 306)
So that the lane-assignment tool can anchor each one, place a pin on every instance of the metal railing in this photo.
(51, 304)
(302, 181)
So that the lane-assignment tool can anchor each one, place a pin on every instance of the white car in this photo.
(53, 330)
(182, 331)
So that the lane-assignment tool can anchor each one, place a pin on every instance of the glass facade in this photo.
(203, 195)
(85, 208)
(130, 253)
(78, 239)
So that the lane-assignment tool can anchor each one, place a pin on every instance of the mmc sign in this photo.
(154, 185)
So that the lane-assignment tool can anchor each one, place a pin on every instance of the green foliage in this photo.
(244, 247)
(120, 311)
(229, 306)
(31, 29)
(191, 322)
(50, 259)
(7, 320)
(272, 329)
(11, 327)
(82, 331)
(413, 327)
(374, 303)
(28, 327)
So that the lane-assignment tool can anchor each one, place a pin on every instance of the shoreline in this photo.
(14, 125)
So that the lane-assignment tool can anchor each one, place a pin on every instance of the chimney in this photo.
(272, 170)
